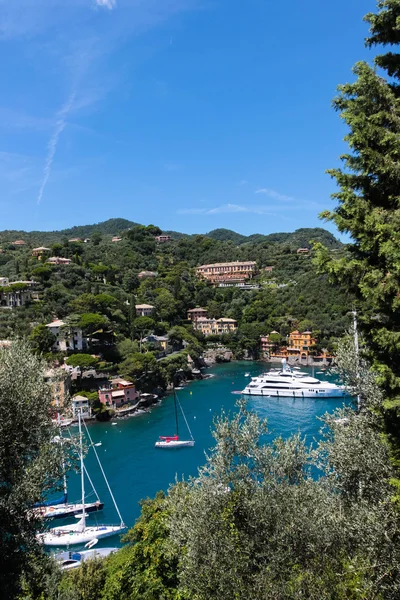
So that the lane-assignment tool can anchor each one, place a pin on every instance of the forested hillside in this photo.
(290, 296)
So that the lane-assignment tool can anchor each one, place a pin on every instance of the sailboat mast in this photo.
(176, 413)
(63, 462)
(82, 469)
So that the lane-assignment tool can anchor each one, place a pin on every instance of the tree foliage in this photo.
(368, 203)
(30, 462)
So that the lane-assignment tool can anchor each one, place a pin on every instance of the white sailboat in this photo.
(61, 508)
(173, 441)
(81, 533)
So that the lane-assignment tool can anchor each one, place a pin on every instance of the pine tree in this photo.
(369, 204)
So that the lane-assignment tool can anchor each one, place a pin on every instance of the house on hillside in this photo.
(66, 338)
(75, 240)
(118, 393)
(60, 382)
(18, 243)
(147, 274)
(235, 272)
(144, 310)
(80, 404)
(159, 341)
(40, 252)
(215, 326)
(15, 293)
(58, 260)
(161, 239)
(116, 239)
(302, 250)
(195, 313)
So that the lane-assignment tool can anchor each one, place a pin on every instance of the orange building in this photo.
(299, 345)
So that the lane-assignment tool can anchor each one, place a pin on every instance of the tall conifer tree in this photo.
(369, 202)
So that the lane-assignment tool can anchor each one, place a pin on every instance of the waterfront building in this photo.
(39, 252)
(195, 313)
(67, 338)
(144, 310)
(161, 239)
(80, 404)
(58, 260)
(268, 344)
(237, 271)
(215, 326)
(59, 381)
(299, 345)
(118, 393)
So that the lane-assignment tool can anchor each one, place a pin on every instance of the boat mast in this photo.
(82, 470)
(104, 475)
(184, 417)
(176, 412)
(63, 462)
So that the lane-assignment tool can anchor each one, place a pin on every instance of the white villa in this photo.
(66, 338)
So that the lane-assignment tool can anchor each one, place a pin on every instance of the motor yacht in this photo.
(288, 383)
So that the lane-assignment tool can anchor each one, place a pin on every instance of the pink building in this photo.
(119, 393)
(161, 239)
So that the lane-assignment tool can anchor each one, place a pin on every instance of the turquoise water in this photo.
(136, 469)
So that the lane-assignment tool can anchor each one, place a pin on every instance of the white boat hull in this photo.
(310, 393)
(73, 560)
(65, 537)
(174, 444)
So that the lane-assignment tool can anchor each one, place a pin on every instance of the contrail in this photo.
(52, 145)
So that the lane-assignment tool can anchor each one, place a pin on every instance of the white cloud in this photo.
(110, 4)
(273, 194)
(226, 208)
(52, 145)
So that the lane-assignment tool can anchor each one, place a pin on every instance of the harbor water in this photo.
(136, 469)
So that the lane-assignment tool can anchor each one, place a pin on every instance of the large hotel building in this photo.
(236, 272)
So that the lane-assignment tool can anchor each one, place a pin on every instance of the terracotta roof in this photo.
(56, 323)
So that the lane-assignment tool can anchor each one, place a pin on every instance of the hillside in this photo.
(112, 227)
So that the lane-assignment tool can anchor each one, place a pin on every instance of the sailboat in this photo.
(173, 441)
(61, 508)
(80, 533)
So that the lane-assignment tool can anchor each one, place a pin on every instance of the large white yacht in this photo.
(291, 384)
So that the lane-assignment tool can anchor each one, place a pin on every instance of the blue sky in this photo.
(191, 114)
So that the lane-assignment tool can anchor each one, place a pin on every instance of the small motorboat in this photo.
(72, 560)
(247, 374)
